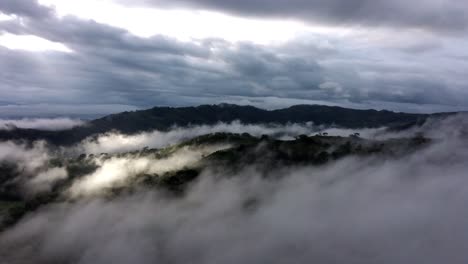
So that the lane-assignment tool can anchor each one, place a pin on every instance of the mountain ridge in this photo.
(164, 118)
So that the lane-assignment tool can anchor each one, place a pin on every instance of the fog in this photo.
(28, 158)
(114, 172)
(409, 209)
(401, 211)
(449, 127)
(44, 180)
(114, 142)
(52, 124)
(32, 165)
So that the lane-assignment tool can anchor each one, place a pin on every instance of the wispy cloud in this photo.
(53, 124)
(116, 171)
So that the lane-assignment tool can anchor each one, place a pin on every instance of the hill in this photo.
(163, 118)
(241, 151)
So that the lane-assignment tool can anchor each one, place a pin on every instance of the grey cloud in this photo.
(76, 109)
(446, 15)
(29, 8)
(110, 66)
(52, 124)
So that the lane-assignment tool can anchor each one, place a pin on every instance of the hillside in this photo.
(163, 118)
(241, 151)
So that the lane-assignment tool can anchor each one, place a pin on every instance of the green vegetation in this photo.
(265, 153)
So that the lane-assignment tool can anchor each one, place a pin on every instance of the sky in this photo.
(95, 57)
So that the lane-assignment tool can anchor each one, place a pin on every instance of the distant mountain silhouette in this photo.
(163, 118)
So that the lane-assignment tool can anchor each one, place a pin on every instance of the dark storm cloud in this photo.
(29, 8)
(137, 70)
(111, 66)
(447, 15)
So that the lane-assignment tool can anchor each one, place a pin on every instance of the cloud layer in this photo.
(356, 210)
(117, 171)
(52, 124)
(117, 143)
(415, 69)
(447, 15)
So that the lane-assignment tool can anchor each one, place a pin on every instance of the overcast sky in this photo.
(92, 57)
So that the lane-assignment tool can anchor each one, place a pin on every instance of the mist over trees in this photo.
(235, 192)
(165, 118)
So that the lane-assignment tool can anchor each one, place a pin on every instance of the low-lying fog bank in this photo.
(359, 210)
(48, 124)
